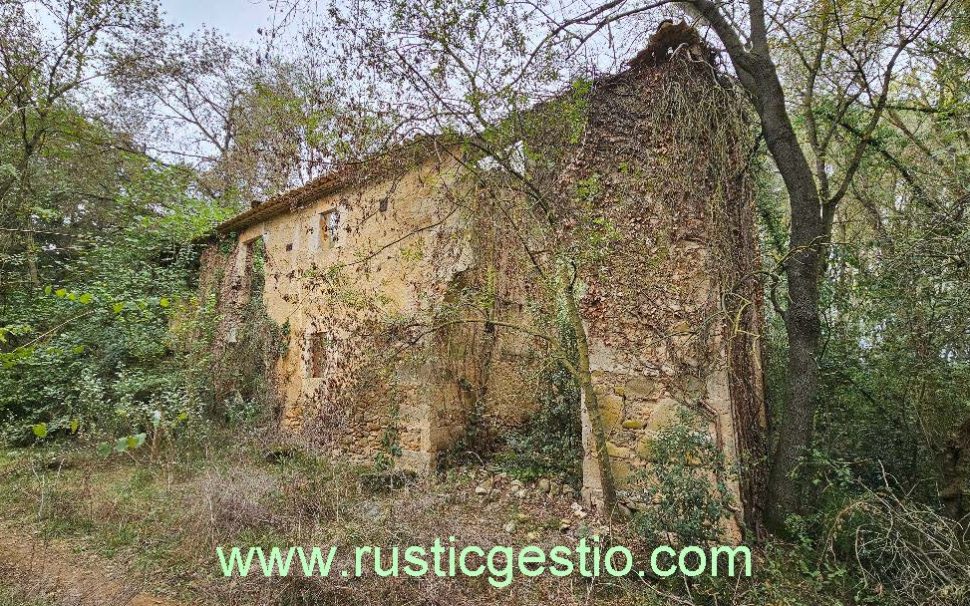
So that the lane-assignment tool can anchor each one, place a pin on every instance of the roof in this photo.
(404, 155)
(352, 174)
(347, 175)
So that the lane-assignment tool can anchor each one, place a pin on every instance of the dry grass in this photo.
(164, 518)
(13, 597)
(158, 523)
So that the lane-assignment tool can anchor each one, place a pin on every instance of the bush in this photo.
(94, 353)
(550, 444)
(681, 495)
(904, 547)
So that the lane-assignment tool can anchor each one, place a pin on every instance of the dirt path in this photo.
(49, 571)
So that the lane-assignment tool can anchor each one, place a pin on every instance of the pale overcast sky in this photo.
(237, 18)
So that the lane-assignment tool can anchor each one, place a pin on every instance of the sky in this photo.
(237, 18)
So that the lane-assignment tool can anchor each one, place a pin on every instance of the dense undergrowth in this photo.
(164, 514)
(94, 350)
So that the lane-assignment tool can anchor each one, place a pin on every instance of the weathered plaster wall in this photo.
(385, 266)
(390, 372)
(669, 301)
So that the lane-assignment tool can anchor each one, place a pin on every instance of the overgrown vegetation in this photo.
(91, 352)
(126, 431)
(550, 444)
(683, 493)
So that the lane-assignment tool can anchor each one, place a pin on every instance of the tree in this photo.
(50, 58)
(489, 57)
(893, 366)
(92, 227)
(871, 54)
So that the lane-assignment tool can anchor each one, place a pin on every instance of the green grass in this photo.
(11, 597)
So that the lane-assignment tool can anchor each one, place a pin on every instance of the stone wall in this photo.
(424, 317)
(371, 365)
(671, 306)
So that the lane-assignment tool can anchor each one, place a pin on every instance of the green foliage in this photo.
(94, 350)
(866, 542)
(682, 493)
(236, 379)
(123, 444)
(575, 109)
(896, 368)
(550, 444)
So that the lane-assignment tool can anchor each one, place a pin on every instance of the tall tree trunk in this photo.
(758, 76)
(803, 266)
(795, 425)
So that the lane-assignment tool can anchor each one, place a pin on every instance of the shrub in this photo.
(681, 495)
(550, 444)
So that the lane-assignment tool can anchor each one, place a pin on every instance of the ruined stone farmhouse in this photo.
(418, 294)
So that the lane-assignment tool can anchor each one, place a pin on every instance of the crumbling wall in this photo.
(383, 362)
(490, 357)
(423, 324)
(356, 381)
(244, 343)
(670, 305)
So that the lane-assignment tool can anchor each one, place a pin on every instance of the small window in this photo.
(329, 227)
(319, 346)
